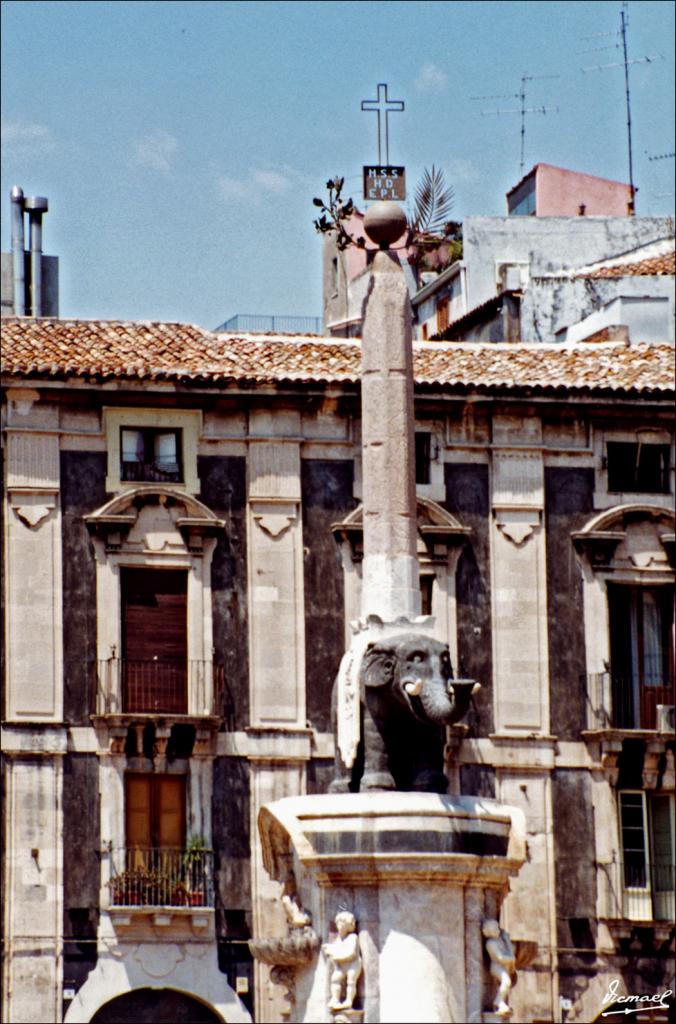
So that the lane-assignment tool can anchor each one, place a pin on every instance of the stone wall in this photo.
(232, 841)
(82, 491)
(82, 865)
(223, 490)
(467, 498)
(549, 303)
(327, 487)
(568, 504)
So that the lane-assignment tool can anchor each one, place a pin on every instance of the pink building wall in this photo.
(562, 193)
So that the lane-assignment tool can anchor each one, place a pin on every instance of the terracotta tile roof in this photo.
(99, 350)
(663, 265)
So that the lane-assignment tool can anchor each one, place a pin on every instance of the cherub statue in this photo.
(503, 963)
(344, 954)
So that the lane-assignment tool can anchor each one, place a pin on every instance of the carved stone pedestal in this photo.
(420, 872)
(348, 1017)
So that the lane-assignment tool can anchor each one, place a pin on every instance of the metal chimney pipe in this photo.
(36, 206)
(18, 258)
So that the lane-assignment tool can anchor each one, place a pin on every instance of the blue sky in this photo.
(180, 144)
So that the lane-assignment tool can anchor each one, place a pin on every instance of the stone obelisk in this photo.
(390, 602)
(406, 879)
(390, 586)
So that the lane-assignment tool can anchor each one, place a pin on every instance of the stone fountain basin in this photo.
(347, 837)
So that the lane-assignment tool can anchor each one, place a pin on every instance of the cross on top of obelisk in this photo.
(385, 106)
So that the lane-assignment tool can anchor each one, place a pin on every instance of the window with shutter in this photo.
(442, 314)
(647, 840)
(634, 467)
(150, 454)
(641, 653)
(154, 640)
(155, 811)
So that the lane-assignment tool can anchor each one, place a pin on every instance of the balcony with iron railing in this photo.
(642, 891)
(616, 701)
(160, 687)
(161, 877)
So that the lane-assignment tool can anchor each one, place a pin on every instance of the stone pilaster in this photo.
(33, 828)
(33, 742)
(278, 743)
(276, 599)
(530, 908)
(34, 591)
(274, 774)
(521, 677)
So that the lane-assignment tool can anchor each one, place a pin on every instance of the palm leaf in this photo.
(432, 204)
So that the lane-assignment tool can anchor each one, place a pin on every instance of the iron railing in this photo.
(616, 702)
(154, 471)
(161, 877)
(647, 890)
(172, 687)
(282, 324)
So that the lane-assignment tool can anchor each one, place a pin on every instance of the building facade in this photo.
(532, 278)
(182, 559)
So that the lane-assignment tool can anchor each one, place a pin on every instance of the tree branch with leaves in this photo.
(335, 213)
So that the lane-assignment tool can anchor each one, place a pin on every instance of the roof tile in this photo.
(663, 265)
(104, 350)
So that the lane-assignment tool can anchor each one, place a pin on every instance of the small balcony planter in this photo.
(129, 888)
(163, 877)
(180, 897)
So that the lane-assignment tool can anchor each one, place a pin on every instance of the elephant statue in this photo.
(408, 696)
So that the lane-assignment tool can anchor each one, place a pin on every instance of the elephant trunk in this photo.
(438, 705)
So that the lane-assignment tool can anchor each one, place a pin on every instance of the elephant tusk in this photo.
(414, 688)
(476, 688)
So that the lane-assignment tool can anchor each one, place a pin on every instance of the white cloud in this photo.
(460, 169)
(431, 78)
(156, 150)
(231, 188)
(259, 183)
(272, 181)
(27, 138)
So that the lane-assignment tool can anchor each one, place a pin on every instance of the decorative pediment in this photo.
(438, 530)
(635, 537)
(151, 518)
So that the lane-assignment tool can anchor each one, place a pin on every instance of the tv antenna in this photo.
(522, 109)
(625, 63)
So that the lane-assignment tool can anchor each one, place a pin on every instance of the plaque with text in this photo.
(384, 182)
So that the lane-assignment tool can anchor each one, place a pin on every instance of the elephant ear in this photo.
(378, 665)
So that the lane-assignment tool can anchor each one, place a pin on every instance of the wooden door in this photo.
(154, 640)
(154, 837)
(155, 810)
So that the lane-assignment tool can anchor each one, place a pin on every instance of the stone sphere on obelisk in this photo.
(391, 586)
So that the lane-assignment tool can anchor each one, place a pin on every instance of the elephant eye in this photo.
(417, 656)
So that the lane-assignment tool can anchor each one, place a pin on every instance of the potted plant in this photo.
(180, 895)
(128, 888)
(194, 864)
